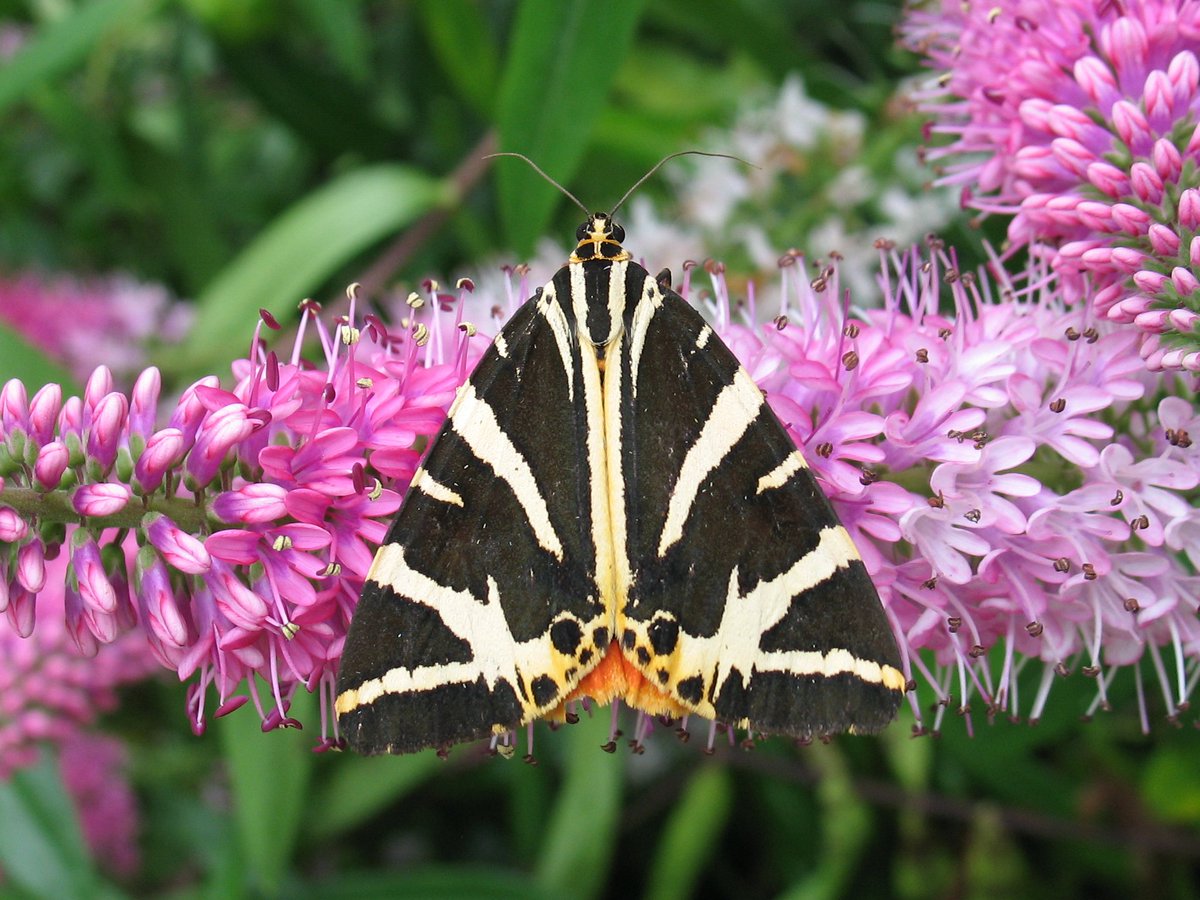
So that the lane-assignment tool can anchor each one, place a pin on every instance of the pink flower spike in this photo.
(144, 405)
(1072, 155)
(70, 417)
(1096, 79)
(222, 431)
(1158, 94)
(1131, 125)
(1163, 240)
(179, 549)
(21, 612)
(1130, 219)
(1185, 282)
(1127, 45)
(31, 566)
(1150, 282)
(107, 427)
(13, 528)
(189, 411)
(1108, 179)
(1194, 251)
(1070, 122)
(236, 546)
(1184, 73)
(1127, 259)
(1168, 162)
(252, 504)
(99, 385)
(239, 603)
(158, 604)
(14, 406)
(1096, 216)
(233, 703)
(51, 463)
(1152, 320)
(1189, 209)
(101, 499)
(43, 412)
(1182, 320)
(95, 590)
(163, 451)
(1146, 183)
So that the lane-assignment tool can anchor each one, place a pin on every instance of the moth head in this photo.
(600, 227)
(599, 238)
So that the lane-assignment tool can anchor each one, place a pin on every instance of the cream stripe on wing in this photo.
(425, 483)
(579, 304)
(614, 537)
(616, 298)
(495, 654)
(552, 312)
(737, 406)
(782, 473)
(647, 306)
(475, 422)
(737, 643)
(829, 663)
(746, 619)
(598, 454)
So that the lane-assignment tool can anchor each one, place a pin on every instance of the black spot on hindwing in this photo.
(545, 690)
(566, 635)
(664, 635)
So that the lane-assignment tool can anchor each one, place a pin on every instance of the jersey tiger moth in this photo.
(612, 511)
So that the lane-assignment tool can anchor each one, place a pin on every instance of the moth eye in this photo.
(618, 233)
(582, 231)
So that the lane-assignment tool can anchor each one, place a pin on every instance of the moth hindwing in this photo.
(611, 510)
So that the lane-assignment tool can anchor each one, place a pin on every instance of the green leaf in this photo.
(434, 883)
(59, 48)
(328, 110)
(293, 257)
(41, 847)
(1171, 784)
(342, 27)
(561, 62)
(692, 832)
(459, 34)
(845, 828)
(269, 774)
(582, 831)
(358, 787)
(20, 359)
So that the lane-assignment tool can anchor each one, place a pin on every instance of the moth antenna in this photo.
(538, 169)
(670, 156)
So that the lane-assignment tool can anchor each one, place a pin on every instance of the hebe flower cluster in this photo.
(98, 321)
(1081, 120)
(972, 454)
(49, 691)
(236, 529)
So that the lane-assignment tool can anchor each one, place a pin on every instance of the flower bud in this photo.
(102, 499)
(179, 549)
(51, 464)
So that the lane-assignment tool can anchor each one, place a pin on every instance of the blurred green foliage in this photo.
(252, 152)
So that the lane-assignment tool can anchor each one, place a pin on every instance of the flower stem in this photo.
(55, 506)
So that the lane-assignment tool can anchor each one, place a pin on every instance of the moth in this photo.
(612, 510)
